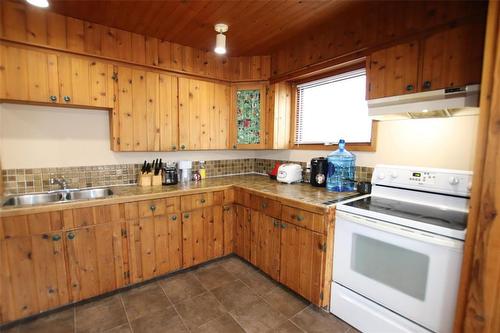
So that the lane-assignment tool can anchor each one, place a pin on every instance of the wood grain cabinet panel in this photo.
(168, 113)
(393, 71)
(168, 243)
(453, 58)
(28, 75)
(203, 235)
(304, 219)
(242, 232)
(229, 217)
(203, 115)
(302, 261)
(268, 246)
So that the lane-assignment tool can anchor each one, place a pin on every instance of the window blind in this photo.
(301, 91)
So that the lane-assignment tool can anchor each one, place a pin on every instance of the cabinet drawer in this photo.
(267, 206)
(194, 201)
(242, 197)
(158, 207)
(303, 218)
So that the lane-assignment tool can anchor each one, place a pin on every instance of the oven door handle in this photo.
(402, 231)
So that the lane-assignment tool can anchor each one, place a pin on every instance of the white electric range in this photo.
(398, 251)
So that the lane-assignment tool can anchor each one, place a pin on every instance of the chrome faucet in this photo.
(59, 181)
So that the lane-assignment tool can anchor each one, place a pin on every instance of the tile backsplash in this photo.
(17, 181)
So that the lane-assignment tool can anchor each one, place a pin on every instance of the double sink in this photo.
(56, 197)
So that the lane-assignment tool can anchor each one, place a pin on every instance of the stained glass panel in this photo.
(248, 116)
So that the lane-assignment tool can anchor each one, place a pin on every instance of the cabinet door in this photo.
(142, 251)
(193, 238)
(85, 82)
(229, 226)
(392, 71)
(254, 230)
(214, 231)
(138, 110)
(242, 236)
(302, 261)
(268, 246)
(168, 113)
(453, 58)
(248, 116)
(95, 260)
(168, 243)
(28, 75)
(219, 117)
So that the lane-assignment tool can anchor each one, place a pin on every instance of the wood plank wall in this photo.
(367, 26)
(23, 23)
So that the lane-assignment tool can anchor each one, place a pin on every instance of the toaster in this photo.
(289, 173)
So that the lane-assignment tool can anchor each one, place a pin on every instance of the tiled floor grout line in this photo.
(126, 313)
(175, 309)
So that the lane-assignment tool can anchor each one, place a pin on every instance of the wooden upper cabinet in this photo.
(453, 58)
(393, 71)
(27, 75)
(203, 115)
(248, 116)
(35, 76)
(450, 58)
(145, 118)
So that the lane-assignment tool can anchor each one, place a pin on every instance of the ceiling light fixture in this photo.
(220, 40)
(39, 3)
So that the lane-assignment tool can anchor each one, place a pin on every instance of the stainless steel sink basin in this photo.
(33, 199)
(56, 197)
(96, 193)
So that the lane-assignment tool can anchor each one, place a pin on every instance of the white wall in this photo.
(35, 136)
(40, 136)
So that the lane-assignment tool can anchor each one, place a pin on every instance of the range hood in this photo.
(430, 104)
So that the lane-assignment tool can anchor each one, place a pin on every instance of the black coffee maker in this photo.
(170, 174)
(318, 171)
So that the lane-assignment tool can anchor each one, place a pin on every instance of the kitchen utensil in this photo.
(143, 169)
(319, 167)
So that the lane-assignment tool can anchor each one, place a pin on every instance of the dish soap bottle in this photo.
(341, 169)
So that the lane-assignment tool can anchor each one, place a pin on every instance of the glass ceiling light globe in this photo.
(39, 3)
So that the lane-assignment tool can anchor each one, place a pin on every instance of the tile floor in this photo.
(223, 296)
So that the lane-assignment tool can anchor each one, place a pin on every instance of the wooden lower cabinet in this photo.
(155, 245)
(95, 259)
(268, 246)
(203, 235)
(302, 261)
(242, 232)
(229, 212)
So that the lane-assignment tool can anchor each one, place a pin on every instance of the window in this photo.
(333, 108)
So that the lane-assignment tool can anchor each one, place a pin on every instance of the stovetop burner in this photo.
(426, 214)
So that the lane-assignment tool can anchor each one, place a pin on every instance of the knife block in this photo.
(144, 180)
(156, 180)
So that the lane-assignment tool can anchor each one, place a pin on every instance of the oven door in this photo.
(412, 273)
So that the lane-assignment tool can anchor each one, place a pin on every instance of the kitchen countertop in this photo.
(303, 193)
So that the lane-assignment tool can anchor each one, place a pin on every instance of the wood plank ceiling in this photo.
(255, 27)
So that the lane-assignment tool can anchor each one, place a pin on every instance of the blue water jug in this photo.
(341, 170)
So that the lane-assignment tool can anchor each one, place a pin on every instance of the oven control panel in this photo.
(425, 179)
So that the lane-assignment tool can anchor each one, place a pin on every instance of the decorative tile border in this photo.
(18, 181)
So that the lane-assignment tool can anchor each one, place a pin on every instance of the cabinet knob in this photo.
(183, 147)
(283, 225)
(186, 216)
(71, 235)
(264, 205)
(67, 98)
(226, 208)
(152, 208)
(174, 147)
(234, 147)
(426, 85)
(202, 201)
(53, 98)
(56, 237)
(173, 217)
(410, 87)
(300, 218)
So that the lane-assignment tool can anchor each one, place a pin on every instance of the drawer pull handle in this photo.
(152, 208)
(300, 218)
(202, 201)
(186, 216)
(67, 98)
(71, 235)
(409, 87)
(56, 237)
(53, 98)
(173, 217)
